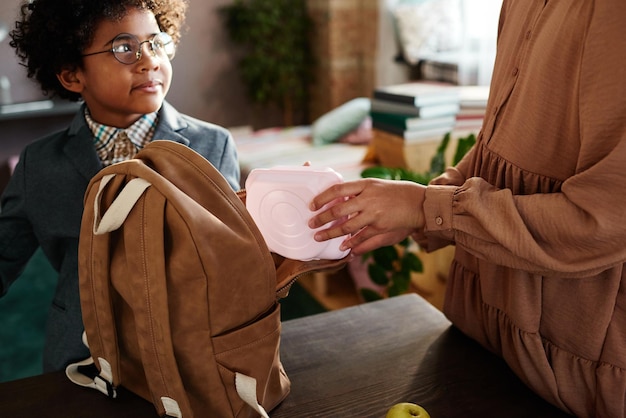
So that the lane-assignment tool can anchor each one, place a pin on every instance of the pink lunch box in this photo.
(278, 199)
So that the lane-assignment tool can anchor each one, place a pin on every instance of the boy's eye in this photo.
(123, 46)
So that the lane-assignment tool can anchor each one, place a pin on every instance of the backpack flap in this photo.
(288, 271)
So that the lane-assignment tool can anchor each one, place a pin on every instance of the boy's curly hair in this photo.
(51, 35)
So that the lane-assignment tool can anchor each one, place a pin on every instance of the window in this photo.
(480, 21)
(454, 33)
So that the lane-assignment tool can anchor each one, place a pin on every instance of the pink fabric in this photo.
(363, 133)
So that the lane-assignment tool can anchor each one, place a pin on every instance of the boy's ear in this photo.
(70, 80)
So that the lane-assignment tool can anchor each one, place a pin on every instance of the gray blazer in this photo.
(43, 204)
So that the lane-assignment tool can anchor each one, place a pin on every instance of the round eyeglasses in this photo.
(127, 49)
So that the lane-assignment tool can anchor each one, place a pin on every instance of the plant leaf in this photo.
(378, 274)
(411, 262)
(463, 146)
(438, 163)
(377, 172)
(399, 284)
(370, 295)
(385, 256)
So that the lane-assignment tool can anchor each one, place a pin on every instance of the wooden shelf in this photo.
(37, 109)
(332, 290)
(337, 290)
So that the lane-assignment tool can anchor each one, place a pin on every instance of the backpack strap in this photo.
(85, 373)
(246, 389)
(163, 378)
(96, 299)
(117, 213)
(145, 255)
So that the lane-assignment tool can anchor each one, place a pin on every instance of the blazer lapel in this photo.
(79, 147)
(171, 125)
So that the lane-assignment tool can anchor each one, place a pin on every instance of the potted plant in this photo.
(390, 269)
(277, 61)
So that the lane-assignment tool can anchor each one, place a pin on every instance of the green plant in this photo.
(391, 266)
(277, 62)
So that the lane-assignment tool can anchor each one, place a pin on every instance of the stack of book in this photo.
(415, 111)
(473, 101)
(410, 121)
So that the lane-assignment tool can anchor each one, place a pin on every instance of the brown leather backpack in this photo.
(179, 292)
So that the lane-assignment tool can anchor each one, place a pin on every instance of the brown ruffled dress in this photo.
(537, 210)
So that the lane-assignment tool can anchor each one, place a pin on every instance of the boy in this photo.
(115, 56)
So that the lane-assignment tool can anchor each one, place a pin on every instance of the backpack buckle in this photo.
(105, 386)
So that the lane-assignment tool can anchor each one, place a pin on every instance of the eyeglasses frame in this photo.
(139, 52)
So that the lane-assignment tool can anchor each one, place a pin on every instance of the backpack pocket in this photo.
(253, 351)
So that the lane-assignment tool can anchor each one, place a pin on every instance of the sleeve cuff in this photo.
(438, 211)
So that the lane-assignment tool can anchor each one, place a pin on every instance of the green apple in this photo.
(407, 410)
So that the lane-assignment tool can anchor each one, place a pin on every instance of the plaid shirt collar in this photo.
(140, 133)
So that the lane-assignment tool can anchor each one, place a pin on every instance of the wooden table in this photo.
(354, 362)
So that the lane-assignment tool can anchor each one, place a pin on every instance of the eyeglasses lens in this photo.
(128, 50)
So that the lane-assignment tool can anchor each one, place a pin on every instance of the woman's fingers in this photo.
(367, 208)
(338, 191)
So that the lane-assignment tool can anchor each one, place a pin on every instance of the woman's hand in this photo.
(375, 212)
